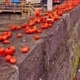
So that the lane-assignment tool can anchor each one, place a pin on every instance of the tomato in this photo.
(9, 35)
(50, 25)
(13, 28)
(56, 17)
(30, 31)
(25, 49)
(34, 30)
(4, 37)
(42, 27)
(38, 13)
(27, 28)
(31, 23)
(4, 33)
(39, 31)
(46, 25)
(38, 20)
(43, 19)
(9, 51)
(0, 38)
(27, 32)
(6, 41)
(13, 60)
(36, 37)
(8, 57)
(52, 19)
(18, 27)
(2, 51)
(19, 35)
(24, 25)
(35, 20)
(60, 13)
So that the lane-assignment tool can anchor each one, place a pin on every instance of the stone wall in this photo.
(55, 56)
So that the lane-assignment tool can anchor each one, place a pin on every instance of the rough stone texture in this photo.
(68, 64)
(74, 15)
(6, 71)
(54, 40)
(32, 66)
(54, 57)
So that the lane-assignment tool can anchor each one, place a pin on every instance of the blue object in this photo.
(44, 2)
(15, 1)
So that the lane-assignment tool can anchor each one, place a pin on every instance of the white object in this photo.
(15, 76)
(49, 19)
(33, 1)
(49, 5)
(78, 70)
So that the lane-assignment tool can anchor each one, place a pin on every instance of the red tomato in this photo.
(9, 51)
(4, 37)
(42, 27)
(13, 60)
(2, 51)
(46, 25)
(31, 23)
(0, 38)
(27, 28)
(50, 25)
(37, 37)
(25, 49)
(6, 41)
(30, 31)
(9, 34)
(19, 35)
(52, 19)
(38, 13)
(39, 31)
(27, 32)
(13, 28)
(38, 20)
(4, 33)
(24, 25)
(8, 57)
(18, 27)
(60, 13)
(56, 17)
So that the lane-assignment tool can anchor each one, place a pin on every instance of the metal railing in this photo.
(14, 6)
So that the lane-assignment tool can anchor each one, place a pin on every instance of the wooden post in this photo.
(29, 11)
(23, 7)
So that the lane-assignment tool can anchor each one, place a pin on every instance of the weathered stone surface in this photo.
(66, 69)
(54, 39)
(32, 67)
(66, 18)
(74, 15)
(6, 71)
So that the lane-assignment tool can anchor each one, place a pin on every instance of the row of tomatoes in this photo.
(9, 53)
(44, 22)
